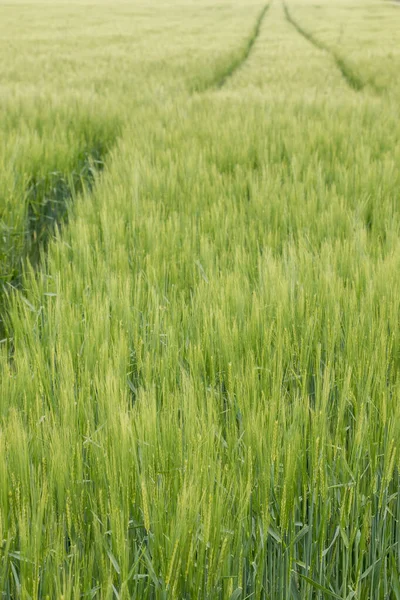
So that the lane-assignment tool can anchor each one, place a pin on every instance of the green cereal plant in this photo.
(199, 372)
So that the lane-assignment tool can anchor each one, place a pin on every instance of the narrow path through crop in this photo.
(47, 209)
(353, 79)
(48, 198)
(246, 50)
(240, 58)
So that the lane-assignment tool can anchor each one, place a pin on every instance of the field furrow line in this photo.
(239, 59)
(48, 200)
(353, 79)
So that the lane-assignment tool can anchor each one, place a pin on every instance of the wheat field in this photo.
(200, 300)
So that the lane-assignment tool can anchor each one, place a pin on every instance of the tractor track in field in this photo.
(48, 198)
(48, 201)
(247, 49)
(239, 60)
(353, 79)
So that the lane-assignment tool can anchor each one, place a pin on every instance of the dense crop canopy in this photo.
(199, 372)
